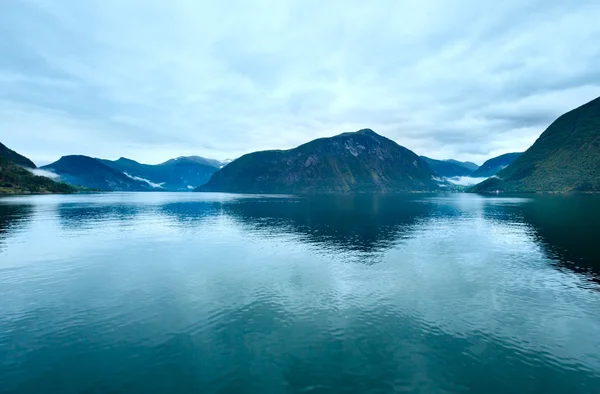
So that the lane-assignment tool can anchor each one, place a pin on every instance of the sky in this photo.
(152, 79)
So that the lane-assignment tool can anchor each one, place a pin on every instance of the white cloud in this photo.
(44, 173)
(465, 180)
(155, 80)
(150, 183)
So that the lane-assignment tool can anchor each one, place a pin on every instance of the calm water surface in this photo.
(215, 293)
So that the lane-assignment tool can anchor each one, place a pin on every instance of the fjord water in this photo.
(216, 293)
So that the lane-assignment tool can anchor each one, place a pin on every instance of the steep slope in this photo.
(466, 164)
(181, 174)
(351, 162)
(494, 165)
(566, 157)
(14, 157)
(91, 173)
(15, 179)
(446, 168)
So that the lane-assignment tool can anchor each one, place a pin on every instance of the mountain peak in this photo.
(126, 160)
(361, 161)
(366, 132)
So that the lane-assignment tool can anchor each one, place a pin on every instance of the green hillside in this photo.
(566, 157)
(15, 179)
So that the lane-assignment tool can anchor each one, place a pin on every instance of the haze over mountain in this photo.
(566, 157)
(362, 161)
(17, 176)
(494, 165)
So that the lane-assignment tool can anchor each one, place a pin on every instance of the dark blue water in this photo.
(209, 293)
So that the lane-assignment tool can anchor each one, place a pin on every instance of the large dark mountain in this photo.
(181, 174)
(91, 173)
(447, 168)
(566, 157)
(14, 157)
(351, 162)
(16, 176)
(492, 166)
(467, 164)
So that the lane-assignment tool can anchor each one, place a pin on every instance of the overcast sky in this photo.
(152, 80)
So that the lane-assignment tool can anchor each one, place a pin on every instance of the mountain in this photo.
(180, 174)
(198, 160)
(493, 166)
(93, 174)
(17, 177)
(467, 164)
(225, 162)
(446, 168)
(362, 161)
(566, 157)
(14, 157)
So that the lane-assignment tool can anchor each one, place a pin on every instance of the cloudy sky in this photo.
(153, 79)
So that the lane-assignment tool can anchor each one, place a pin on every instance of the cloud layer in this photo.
(155, 80)
(44, 173)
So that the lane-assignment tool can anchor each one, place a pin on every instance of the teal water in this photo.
(216, 293)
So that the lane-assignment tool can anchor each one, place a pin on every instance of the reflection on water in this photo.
(215, 293)
(568, 227)
(12, 219)
(363, 223)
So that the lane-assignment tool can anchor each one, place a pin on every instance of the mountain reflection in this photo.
(13, 218)
(194, 292)
(193, 212)
(76, 216)
(565, 226)
(364, 223)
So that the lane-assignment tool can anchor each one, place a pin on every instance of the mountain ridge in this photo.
(469, 165)
(494, 165)
(17, 176)
(565, 157)
(446, 168)
(88, 172)
(180, 174)
(15, 157)
(361, 161)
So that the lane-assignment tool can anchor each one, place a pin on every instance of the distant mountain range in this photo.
(566, 157)
(181, 174)
(467, 164)
(88, 172)
(450, 168)
(17, 176)
(362, 161)
(453, 168)
(494, 165)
